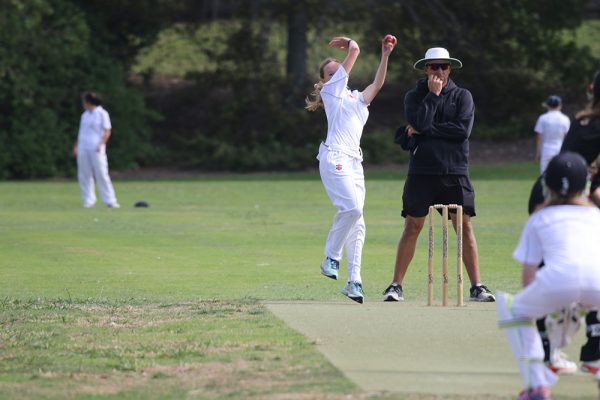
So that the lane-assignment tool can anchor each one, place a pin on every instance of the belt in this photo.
(352, 152)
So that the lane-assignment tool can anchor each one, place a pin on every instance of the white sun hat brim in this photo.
(438, 54)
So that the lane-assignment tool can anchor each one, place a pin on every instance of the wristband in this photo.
(349, 40)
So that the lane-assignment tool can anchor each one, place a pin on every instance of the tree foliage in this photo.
(48, 56)
(246, 112)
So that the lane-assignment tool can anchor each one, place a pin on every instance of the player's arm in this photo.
(105, 137)
(371, 91)
(458, 128)
(529, 271)
(538, 146)
(342, 42)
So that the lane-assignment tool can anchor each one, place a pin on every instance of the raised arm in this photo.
(371, 91)
(342, 42)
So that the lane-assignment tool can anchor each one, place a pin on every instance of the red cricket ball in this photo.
(390, 39)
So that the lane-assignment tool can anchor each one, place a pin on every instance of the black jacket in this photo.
(584, 139)
(444, 123)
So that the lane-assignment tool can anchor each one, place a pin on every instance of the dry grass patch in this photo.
(207, 349)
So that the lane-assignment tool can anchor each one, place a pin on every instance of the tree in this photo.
(46, 61)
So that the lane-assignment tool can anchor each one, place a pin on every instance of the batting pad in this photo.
(525, 343)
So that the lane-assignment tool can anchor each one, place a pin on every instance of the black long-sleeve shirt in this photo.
(444, 123)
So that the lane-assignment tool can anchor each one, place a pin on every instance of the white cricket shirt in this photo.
(553, 126)
(346, 111)
(566, 237)
(91, 128)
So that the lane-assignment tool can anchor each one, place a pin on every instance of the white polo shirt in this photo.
(91, 128)
(566, 238)
(346, 111)
(553, 125)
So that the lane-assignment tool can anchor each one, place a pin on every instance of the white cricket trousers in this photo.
(93, 166)
(551, 290)
(343, 177)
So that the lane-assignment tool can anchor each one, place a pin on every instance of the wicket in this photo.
(459, 283)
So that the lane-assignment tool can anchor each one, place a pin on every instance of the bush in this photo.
(48, 56)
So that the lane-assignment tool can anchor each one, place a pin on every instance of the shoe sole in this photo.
(488, 300)
(590, 369)
(563, 371)
(334, 277)
(390, 298)
(356, 299)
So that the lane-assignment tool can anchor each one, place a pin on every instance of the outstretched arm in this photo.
(371, 91)
(342, 42)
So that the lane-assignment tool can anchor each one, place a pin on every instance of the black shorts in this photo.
(422, 191)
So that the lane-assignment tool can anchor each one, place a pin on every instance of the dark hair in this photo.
(92, 98)
(593, 108)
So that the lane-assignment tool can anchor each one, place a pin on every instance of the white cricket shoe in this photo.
(560, 364)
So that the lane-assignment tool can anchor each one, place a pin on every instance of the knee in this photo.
(355, 213)
(413, 227)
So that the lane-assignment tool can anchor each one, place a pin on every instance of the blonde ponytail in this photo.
(314, 100)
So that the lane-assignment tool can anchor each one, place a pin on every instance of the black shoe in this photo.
(393, 293)
(481, 293)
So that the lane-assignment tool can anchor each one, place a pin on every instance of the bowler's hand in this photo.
(342, 42)
(435, 84)
(99, 147)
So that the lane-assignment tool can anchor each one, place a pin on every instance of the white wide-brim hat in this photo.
(438, 53)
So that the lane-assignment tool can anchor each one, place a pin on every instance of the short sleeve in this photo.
(529, 249)
(106, 120)
(538, 125)
(337, 84)
(361, 98)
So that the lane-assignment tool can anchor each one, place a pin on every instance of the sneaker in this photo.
(593, 367)
(393, 293)
(354, 291)
(329, 268)
(113, 205)
(539, 393)
(481, 293)
(560, 364)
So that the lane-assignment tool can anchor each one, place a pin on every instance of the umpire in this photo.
(440, 118)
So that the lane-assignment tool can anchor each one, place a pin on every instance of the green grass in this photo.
(142, 303)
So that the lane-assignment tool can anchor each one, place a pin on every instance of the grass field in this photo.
(166, 302)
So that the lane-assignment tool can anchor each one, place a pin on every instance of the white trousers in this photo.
(551, 291)
(93, 166)
(344, 181)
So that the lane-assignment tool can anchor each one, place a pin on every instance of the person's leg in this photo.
(406, 246)
(356, 236)
(524, 340)
(85, 177)
(459, 190)
(590, 351)
(561, 326)
(105, 186)
(339, 183)
(470, 252)
(418, 194)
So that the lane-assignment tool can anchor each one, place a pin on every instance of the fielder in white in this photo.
(564, 233)
(340, 157)
(90, 149)
(551, 129)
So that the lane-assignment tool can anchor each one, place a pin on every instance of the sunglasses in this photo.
(435, 67)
